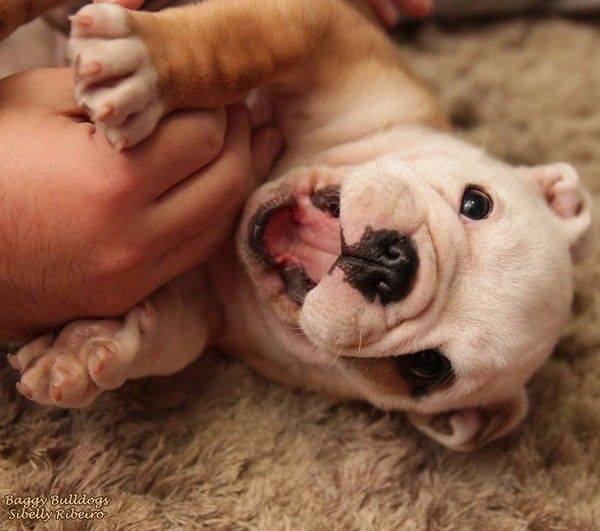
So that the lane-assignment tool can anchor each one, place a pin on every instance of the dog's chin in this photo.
(293, 240)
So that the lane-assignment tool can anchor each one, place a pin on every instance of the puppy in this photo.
(385, 260)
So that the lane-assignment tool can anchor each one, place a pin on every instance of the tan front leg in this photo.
(213, 53)
(317, 59)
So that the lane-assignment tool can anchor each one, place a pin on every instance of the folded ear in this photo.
(560, 186)
(465, 430)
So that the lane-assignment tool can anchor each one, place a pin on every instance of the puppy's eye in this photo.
(428, 364)
(475, 204)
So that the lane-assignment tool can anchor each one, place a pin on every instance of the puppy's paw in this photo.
(87, 358)
(115, 79)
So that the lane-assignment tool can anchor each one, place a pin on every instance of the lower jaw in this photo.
(296, 283)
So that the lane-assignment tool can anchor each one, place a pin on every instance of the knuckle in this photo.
(116, 184)
(117, 260)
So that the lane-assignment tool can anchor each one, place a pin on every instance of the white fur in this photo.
(103, 47)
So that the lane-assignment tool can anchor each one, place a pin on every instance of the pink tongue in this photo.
(304, 235)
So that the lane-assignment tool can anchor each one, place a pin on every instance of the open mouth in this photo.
(298, 238)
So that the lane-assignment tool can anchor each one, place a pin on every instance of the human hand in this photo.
(88, 231)
(389, 12)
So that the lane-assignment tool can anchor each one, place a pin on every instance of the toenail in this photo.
(122, 144)
(100, 355)
(89, 69)
(58, 377)
(25, 390)
(82, 20)
(56, 392)
(105, 112)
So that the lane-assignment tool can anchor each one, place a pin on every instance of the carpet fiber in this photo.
(220, 447)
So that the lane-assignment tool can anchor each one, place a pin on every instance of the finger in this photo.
(182, 144)
(415, 8)
(387, 11)
(194, 251)
(267, 144)
(200, 200)
(129, 4)
(205, 206)
(261, 110)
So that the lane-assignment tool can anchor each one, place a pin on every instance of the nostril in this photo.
(396, 252)
(382, 265)
(393, 251)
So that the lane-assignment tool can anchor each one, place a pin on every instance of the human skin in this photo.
(89, 231)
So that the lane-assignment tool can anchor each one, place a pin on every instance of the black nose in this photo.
(383, 263)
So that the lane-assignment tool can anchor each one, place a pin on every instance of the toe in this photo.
(98, 60)
(70, 384)
(35, 380)
(27, 354)
(111, 359)
(135, 129)
(101, 20)
(106, 366)
(113, 105)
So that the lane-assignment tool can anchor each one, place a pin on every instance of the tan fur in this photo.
(313, 56)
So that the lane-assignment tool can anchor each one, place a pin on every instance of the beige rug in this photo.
(221, 448)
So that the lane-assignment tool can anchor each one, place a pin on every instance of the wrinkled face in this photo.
(436, 283)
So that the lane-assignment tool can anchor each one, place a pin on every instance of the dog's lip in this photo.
(295, 280)
(259, 223)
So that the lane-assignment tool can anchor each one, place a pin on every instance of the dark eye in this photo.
(428, 364)
(475, 204)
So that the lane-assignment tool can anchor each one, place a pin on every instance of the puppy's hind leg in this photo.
(161, 336)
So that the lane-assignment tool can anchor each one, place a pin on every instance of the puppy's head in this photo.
(435, 281)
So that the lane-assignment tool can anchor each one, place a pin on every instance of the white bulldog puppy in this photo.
(385, 259)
